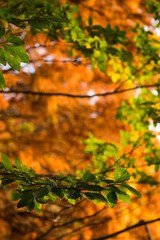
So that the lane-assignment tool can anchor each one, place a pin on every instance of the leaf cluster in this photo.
(33, 190)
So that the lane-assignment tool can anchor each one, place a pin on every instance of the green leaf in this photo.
(41, 192)
(121, 175)
(70, 179)
(10, 50)
(40, 24)
(66, 6)
(2, 57)
(52, 197)
(30, 206)
(74, 9)
(90, 20)
(95, 196)
(88, 177)
(104, 180)
(124, 197)
(24, 168)
(89, 196)
(73, 194)
(6, 162)
(37, 206)
(73, 34)
(70, 16)
(22, 54)
(15, 40)
(86, 186)
(15, 195)
(103, 44)
(2, 82)
(43, 200)
(100, 198)
(26, 198)
(132, 190)
(82, 185)
(56, 191)
(12, 57)
(2, 32)
(18, 164)
(93, 63)
(112, 198)
(102, 66)
(72, 201)
(95, 188)
(79, 18)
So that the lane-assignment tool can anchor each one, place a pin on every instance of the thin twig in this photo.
(148, 232)
(67, 223)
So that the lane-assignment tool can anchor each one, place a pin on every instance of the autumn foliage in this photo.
(84, 103)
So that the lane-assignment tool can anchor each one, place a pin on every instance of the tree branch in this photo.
(141, 223)
(77, 95)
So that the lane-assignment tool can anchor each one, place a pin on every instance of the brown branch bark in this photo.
(141, 223)
(77, 95)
